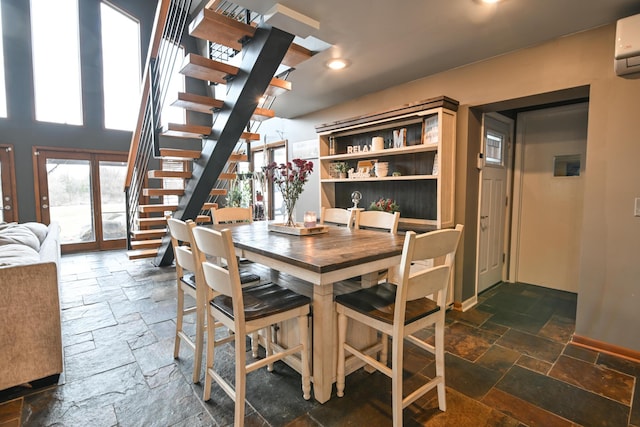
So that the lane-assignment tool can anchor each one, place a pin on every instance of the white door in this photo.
(497, 131)
(551, 148)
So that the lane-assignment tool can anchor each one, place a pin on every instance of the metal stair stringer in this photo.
(262, 56)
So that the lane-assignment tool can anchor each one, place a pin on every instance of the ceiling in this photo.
(392, 42)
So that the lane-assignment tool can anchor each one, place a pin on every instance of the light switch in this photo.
(636, 211)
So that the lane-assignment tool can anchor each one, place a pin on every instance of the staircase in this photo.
(187, 183)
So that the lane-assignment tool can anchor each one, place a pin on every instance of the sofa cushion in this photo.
(19, 234)
(17, 254)
(39, 229)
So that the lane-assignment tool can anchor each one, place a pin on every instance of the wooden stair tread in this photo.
(199, 67)
(142, 253)
(151, 222)
(179, 130)
(250, 136)
(208, 206)
(148, 234)
(227, 176)
(203, 219)
(237, 157)
(169, 174)
(146, 244)
(179, 154)
(199, 103)
(262, 114)
(218, 192)
(162, 191)
(218, 28)
(156, 208)
(278, 87)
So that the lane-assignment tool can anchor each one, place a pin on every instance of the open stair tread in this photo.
(199, 67)
(199, 103)
(156, 208)
(215, 27)
(162, 191)
(148, 234)
(179, 154)
(142, 253)
(218, 192)
(146, 244)
(180, 130)
(169, 174)
(151, 222)
(262, 114)
(238, 157)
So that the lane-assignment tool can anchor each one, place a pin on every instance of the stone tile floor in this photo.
(508, 363)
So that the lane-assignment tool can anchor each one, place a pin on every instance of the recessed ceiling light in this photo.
(337, 63)
(487, 1)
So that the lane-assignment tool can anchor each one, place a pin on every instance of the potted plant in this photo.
(341, 169)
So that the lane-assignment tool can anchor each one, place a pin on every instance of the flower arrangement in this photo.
(385, 205)
(290, 179)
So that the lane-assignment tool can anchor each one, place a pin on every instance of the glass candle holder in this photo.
(309, 219)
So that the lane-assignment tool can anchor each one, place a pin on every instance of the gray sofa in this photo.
(30, 331)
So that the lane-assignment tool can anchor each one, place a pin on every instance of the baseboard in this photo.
(466, 305)
(604, 347)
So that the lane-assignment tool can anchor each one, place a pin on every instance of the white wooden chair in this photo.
(378, 220)
(190, 281)
(399, 310)
(384, 221)
(337, 216)
(244, 312)
(231, 215)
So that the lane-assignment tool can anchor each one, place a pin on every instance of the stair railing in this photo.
(168, 28)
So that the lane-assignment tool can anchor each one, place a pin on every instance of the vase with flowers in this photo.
(290, 178)
(385, 205)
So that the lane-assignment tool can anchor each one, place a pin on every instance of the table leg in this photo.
(324, 339)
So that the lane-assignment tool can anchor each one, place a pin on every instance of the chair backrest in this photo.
(378, 219)
(420, 282)
(337, 216)
(187, 255)
(232, 214)
(221, 280)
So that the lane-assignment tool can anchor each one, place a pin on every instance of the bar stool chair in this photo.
(337, 216)
(246, 311)
(399, 310)
(233, 215)
(190, 281)
(383, 221)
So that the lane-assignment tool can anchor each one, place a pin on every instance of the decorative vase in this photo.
(290, 213)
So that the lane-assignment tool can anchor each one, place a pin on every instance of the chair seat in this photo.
(189, 280)
(262, 301)
(378, 302)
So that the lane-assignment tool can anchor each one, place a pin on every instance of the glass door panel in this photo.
(112, 202)
(70, 199)
(279, 211)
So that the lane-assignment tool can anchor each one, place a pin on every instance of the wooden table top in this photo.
(339, 248)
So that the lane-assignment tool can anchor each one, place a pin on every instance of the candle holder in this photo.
(309, 219)
(356, 196)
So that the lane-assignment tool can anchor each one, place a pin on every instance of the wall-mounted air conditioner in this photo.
(627, 52)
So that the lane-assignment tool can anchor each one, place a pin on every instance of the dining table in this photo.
(319, 260)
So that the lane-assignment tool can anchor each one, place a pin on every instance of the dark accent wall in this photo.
(21, 129)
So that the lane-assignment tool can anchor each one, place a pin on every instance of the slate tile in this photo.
(563, 399)
(498, 358)
(534, 364)
(468, 378)
(89, 363)
(521, 321)
(532, 345)
(581, 353)
(467, 342)
(558, 329)
(595, 378)
(619, 364)
(470, 317)
(523, 411)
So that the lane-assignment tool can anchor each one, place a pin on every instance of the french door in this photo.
(268, 201)
(9, 206)
(84, 193)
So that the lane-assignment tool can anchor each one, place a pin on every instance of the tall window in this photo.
(172, 114)
(121, 68)
(56, 61)
(3, 88)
